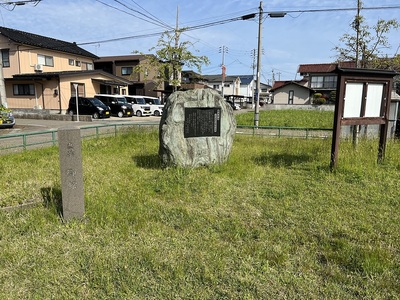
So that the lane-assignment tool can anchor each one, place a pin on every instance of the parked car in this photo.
(88, 106)
(118, 104)
(139, 106)
(234, 106)
(156, 107)
(7, 119)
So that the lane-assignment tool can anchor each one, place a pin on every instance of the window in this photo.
(77, 63)
(317, 81)
(71, 62)
(126, 70)
(45, 60)
(5, 55)
(87, 66)
(80, 88)
(330, 82)
(24, 89)
(323, 82)
(291, 97)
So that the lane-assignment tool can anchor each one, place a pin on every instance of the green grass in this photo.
(271, 223)
(289, 118)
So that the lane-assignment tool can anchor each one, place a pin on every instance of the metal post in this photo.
(76, 100)
(3, 98)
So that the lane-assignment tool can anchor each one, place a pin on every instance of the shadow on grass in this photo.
(52, 198)
(282, 160)
(148, 161)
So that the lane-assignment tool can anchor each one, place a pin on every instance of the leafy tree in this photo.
(169, 58)
(366, 44)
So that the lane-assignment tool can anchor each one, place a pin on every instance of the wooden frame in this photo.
(363, 98)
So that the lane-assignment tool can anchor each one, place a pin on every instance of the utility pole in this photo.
(356, 128)
(253, 54)
(175, 61)
(273, 77)
(257, 106)
(223, 50)
(357, 25)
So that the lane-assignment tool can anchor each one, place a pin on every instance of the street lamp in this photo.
(258, 87)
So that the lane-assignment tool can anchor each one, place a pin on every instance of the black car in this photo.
(88, 106)
(118, 104)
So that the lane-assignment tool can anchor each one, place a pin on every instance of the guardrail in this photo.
(31, 140)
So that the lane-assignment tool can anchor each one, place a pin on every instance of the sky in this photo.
(306, 35)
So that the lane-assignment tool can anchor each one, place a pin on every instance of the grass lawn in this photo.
(289, 118)
(271, 223)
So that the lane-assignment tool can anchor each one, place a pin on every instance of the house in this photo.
(320, 77)
(236, 85)
(140, 83)
(291, 92)
(43, 73)
(192, 80)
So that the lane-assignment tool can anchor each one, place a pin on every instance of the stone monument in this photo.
(196, 129)
(70, 154)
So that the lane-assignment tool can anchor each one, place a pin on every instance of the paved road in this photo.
(33, 125)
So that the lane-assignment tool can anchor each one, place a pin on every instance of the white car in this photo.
(156, 107)
(139, 106)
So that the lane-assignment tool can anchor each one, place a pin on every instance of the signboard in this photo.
(202, 122)
(363, 98)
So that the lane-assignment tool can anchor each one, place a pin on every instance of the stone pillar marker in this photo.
(70, 155)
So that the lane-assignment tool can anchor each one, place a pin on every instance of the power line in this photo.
(147, 19)
(10, 5)
(225, 21)
(149, 13)
(246, 17)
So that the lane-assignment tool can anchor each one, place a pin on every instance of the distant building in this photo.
(140, 83)
(43, 73)
(320, 77)
(233, 85)
(291, 92)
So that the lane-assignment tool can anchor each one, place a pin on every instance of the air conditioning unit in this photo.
(38, 67)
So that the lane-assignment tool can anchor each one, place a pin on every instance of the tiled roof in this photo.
(244, 79)
(280, 84)
(324, 68)
(70, 73)
(133, 57)
(26, 38)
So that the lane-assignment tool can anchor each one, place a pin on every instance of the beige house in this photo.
(291, 92)
(43, 73)
(140, 83)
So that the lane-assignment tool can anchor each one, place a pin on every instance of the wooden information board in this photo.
(362, 98)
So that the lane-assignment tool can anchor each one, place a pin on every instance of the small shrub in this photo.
(332, 96)
(318, 99)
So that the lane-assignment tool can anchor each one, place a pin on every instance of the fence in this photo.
(32, 140)
(282, 131)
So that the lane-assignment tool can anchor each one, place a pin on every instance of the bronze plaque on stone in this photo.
(202, 122)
